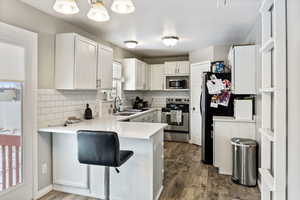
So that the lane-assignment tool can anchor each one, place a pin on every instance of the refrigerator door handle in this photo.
(201, 103)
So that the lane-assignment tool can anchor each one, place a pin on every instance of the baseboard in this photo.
(43, 192)
(159, 193)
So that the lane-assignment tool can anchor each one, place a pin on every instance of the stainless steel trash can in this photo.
(244, 162)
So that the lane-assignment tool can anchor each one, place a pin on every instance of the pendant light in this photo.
(98, 12)
(131, 44)
(67, 7)
(123, 6)
(170, 41)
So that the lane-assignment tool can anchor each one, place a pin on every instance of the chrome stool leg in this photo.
(106, 184)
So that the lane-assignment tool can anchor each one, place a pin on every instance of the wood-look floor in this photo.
(186, 178)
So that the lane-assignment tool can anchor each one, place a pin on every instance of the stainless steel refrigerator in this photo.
(207, 113)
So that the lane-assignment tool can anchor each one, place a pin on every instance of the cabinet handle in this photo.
(194, 108)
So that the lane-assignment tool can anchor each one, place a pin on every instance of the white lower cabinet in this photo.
(141, 177)
(226, 128)
(151, 117)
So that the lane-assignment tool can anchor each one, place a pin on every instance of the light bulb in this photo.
(98, 12)
(123, 6)
(170, 41)
(131, 44)
(67, 7)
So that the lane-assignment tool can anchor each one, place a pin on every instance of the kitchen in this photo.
(185, 106)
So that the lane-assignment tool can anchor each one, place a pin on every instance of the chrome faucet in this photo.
(117, 101)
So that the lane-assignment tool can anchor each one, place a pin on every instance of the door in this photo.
(105, 67)
(140, 76)
(196, 85)
(86, 64)
(157, 77)
(18, 80)
(273, 93)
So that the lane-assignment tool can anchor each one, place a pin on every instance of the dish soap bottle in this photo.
(88, 112)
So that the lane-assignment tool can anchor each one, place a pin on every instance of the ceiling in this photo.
(198, 23)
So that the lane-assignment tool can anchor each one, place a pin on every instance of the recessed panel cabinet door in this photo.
(183, 67)
(157, 77)
(85, 65)
(105, 68)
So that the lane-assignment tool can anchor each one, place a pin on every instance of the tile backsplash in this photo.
(54, 106)
(157, 99)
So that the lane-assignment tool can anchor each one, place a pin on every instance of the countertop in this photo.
(134, 130)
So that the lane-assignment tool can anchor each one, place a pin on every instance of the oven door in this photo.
(180, 127)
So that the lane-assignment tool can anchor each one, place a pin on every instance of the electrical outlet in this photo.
(44, 168)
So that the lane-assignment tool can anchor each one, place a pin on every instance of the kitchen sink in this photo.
(125, 113)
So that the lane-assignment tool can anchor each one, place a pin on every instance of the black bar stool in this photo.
(101, 148)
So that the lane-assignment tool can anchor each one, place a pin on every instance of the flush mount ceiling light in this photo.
(98, 12)
(67, 7)
(131, 44)
(123, 6)
(170, 41)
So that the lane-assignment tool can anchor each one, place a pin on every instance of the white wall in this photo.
(201, 55)
(293, 145)
(16, 13)
(212, 53)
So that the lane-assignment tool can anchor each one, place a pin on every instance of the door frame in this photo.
(29, 40)
(274, 100)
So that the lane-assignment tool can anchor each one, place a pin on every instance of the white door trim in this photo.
(29, 41)
(274, 106)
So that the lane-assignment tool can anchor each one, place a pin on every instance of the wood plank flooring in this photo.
(186, 178)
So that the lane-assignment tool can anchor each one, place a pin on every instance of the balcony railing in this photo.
(10, 161)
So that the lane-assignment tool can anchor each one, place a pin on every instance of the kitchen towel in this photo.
(176, 116)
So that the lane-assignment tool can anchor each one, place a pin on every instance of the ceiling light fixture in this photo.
(67, 7)
(98, 12)
(123, 6)
(131, 44)
(170, 41)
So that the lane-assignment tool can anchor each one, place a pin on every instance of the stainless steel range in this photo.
(176, 115)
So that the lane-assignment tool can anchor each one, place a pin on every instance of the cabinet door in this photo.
(157, 77)
(183, 67)
(244, 70)
(148, 76)
(105, 68)
(85, 64)
(171, 68)
(139, 75)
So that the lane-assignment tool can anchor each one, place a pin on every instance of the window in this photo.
(117, 80)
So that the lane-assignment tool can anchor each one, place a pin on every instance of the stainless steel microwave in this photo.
(173, 82)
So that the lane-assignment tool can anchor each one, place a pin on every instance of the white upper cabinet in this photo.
(183, 67)
(135, 74)
(105, 67)
(157, 78)
(242, 60)
(170, 68)
(177, 68)
(75, 62)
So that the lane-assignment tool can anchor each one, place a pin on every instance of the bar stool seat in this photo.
(124, 156)
(101, 148)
